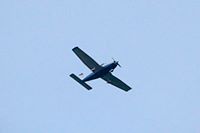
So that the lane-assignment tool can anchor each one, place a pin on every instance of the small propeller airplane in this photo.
(98, 71)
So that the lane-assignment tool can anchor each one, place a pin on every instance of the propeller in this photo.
(116, 62)
(119, 64)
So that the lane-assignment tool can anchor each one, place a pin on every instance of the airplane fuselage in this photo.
(98, 71)
(101, 73)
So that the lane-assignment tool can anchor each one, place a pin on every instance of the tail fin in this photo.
(80, 81)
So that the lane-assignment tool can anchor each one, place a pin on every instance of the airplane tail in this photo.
(80, 81)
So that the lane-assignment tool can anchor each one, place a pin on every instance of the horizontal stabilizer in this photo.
(80, 81)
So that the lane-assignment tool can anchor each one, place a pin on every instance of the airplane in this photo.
(98, 71)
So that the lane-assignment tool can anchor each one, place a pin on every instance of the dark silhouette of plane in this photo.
(98, 71)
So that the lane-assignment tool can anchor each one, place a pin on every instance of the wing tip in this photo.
(75, 48)
(128, 89)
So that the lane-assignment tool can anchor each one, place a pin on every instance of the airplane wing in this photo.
(87, 60)
(116, 82)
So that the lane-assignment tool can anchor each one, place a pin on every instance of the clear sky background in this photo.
(157, 43)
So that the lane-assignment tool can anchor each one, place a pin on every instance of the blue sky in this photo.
(156, 42)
